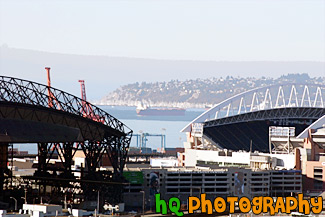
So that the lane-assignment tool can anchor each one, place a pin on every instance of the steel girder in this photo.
(46, 110)
(286, 95)
(32, 93)
(29, 101)
(280, 113)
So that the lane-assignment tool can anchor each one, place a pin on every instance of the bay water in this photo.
(168, 125)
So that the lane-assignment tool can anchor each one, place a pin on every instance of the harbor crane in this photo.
(86, 108)
(142, 140)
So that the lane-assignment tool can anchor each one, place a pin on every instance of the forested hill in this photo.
(196, 93)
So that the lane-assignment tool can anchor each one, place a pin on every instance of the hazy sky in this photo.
(276, 30)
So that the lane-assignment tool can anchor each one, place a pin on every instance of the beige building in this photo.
(220, 182)
(312, 161)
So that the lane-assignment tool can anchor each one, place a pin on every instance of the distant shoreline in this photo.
(200, 107)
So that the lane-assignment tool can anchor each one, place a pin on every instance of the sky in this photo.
(230, 30)
(205, 30)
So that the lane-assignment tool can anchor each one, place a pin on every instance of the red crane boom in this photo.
(83, 90)
(50, 101)
(51, 97)
(86, 108)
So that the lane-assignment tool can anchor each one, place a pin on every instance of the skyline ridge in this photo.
(104, 74)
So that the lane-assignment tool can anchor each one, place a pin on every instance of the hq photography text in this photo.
(256, 205)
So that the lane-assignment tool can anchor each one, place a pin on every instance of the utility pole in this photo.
(98, 201)
(25, 195)
(65, 200)
(15, 202)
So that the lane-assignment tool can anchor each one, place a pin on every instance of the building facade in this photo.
(221, 182)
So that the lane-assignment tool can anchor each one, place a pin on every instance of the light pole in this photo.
(143, 196)
(97, 202)
(25, 195)
(141, 139)
(163, 132)
(15, 202)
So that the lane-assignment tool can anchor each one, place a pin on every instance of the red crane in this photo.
(86, 109)
(83, 90)
(51, 97)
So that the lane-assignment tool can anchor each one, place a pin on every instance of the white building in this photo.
(40, 210)
(164, 162)
(256, 160)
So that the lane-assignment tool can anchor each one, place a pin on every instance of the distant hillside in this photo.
(104, 74)
(194, 93)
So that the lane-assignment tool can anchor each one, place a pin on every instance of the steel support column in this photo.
(36, 113)
(66, 153)
(93, 152)
(3, 166)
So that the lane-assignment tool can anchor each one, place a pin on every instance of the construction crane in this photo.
(83, 90)
(50, 101)
(51, 97)
(142, 140)
(86, 108)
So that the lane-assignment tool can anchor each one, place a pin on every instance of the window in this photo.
(279, 162)
(318, 173)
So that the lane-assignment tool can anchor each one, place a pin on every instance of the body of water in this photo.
(168, 125)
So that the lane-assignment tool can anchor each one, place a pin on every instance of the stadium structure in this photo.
(242, 122)
(61, 125)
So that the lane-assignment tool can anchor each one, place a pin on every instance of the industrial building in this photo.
(203, 168)
(305, 153)
(220, 182)
(192, 157)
